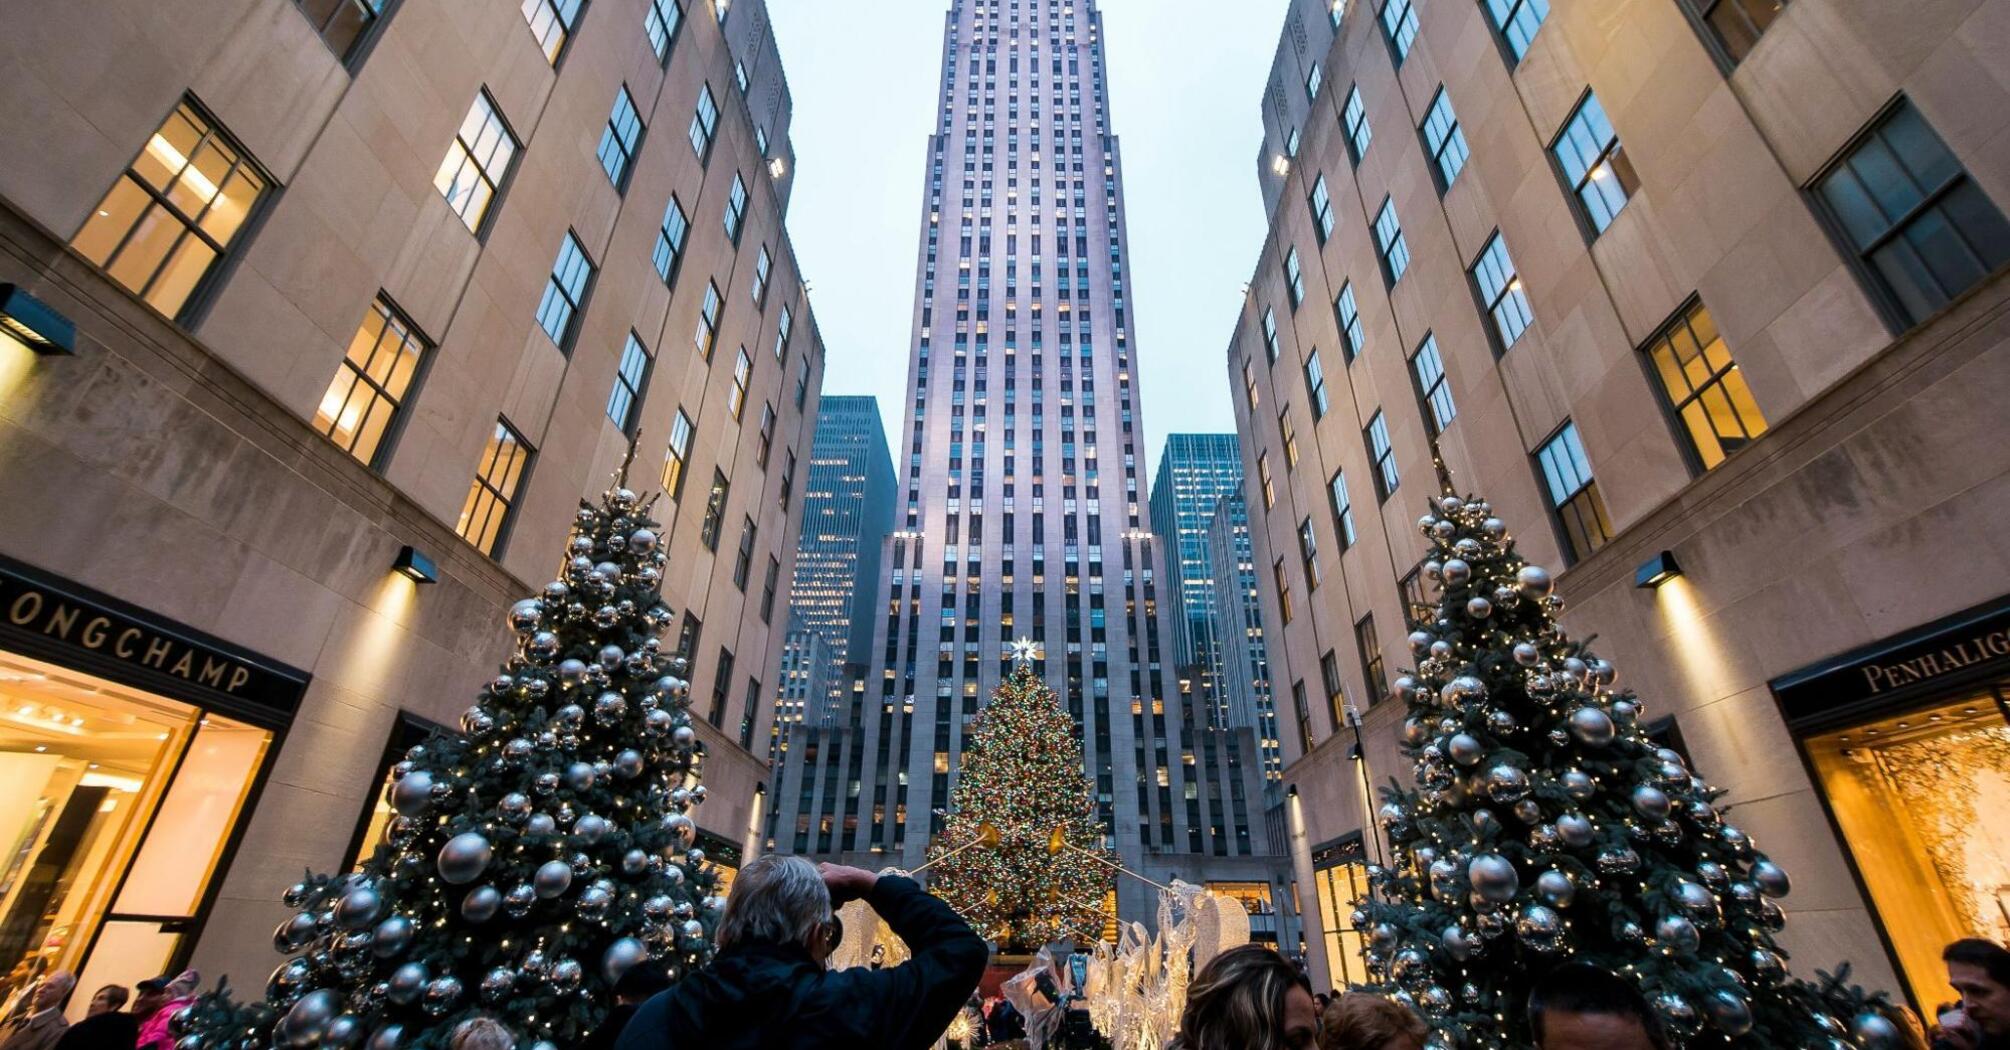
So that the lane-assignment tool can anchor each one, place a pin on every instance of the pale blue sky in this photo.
(1186, 81)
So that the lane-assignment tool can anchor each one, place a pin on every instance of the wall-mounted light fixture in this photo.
(1291, 791)
(1657, 570)
(38, 326)
(413, 563)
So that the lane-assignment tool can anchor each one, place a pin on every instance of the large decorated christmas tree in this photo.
(535, 856)
(1546, 825)
(1020, 855)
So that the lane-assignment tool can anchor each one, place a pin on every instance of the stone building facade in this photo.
(346, 280)
(1657, 276)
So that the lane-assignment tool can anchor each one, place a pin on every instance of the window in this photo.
(1270, 349)
(370, 384)
(707, 332)
(552, 22)
(677, 454)
(1312, 81)
(762, 264)
(1303, 714)
(1315, 385)
(740, 75)
(1282, 578)
(1343, 509)
(1322, 209)
(1446, 142)
(704, 123)
(1291, 144)
(1395, 251)
(1371, 660)
(661, 24)
(1418, 609)
(670, 241)
(571, 275)
(1704, 387)
(1290, 438)
(1501, 292)
(736, 208)
(1383, 456)
(342, 24)
(620, 139)
(1736, 25)
(1594, 164)
(628, 380)
(743, 559)
(1249, 394)
(1518, 21)
(1340, 882)
(782, 335)
(1263, 480)
(1432, 389)
(1399, 20)
(485, 515)
(1573, 494)
(766, 445)
(769, 584)
(1329, 676)
(1308, 554)
(803, 379)
(1354, 119)
(175, 212)
(715, 510)
(788, 486)
(1294, 277)
(477, 163)
(743, 370)
(722, 683)
(1912, 214)
(1349, 317)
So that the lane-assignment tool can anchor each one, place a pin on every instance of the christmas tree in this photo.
(535, 856)
(1021, 792)
(1546, 825)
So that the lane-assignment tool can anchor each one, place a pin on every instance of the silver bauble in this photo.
(1444, 874)
(1650, 802)
(412, 793)
(1767, 966)
(408, 982)
(343, 1032)
(628, 764)
(1527, 654)
(1699, 903)
(590, 829)
(1479, 608)
(520, 898)
(542, 646)
(394, 934)
(579, 776)
(1456, 944)
(476, 721)
(525, 615)
(1875, 1031)
(1457, 572)
(634, 863)
(441, 994)
(1539, 927)
(309, 1017)
(1419, 641)
(565, 975)
(624, 953)
(682, 829)
(553, 878)
(1462, 690)
(593, 903)
(540, 824)
(1625, 710)
(1507, 784)
(684, 736)
(389, 1037)
(1712, 874)
(569, 718)
(1678, 934)
(1677, 1015)
(1415, 732)
(1534, 581)
(481, 904)
(1493, 877)
(1618, 861)
(1578, 784)
(1502, 720)
(1410, 965)
(1464, 749)
(514, 807)
(1592, 727)
(464, 857)
(497, 985)
(1702, 814)
(1771, 878)
(1728, 1011)
(1528, 811)
(293, 934)
(1555, 888)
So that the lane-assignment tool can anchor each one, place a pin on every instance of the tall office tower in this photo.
(1195, 472)
(1709, 300)
(806, 683)
(1243, 677)
(847, 513)
(1021, 512)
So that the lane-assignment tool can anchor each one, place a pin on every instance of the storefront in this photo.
(1908, 742)
(131, 748)
(1340, 878)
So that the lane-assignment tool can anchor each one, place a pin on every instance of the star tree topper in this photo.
(1024, 651)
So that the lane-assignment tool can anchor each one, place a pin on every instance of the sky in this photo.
(1186, 83)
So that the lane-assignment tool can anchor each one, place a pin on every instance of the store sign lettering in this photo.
(39, 612)
(1994, 645)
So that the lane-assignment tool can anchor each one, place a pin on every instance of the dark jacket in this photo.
(757, 996)
(114, 1030)
(605, 1036)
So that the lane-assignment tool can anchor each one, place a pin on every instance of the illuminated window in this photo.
(1595, 164)
(626, 397)
(1308, 554)
(1383, 455)
(1329, 676)
(485, 515)
(175, 212)
(1736, 25)
(1444, 139)
(1519, 20)
(1321, 203)
(477, 163)
(1354, 119)
(676, 454)
(715, 511)
(565, 292)
(1290, 438)
(1418, 608)
(551, 23)
(1249, 394)
(1389, 243)
(1282, 579)
(1349, 316)
(1573, 493)
(619, 140)
(1371, 659)
(1399, 20)
(1340, 879)
(743, 372)
(1432, 388)
(704, 123)
(1501, 293)
(362, 402)
(1303, 712)
(342, 24)
(707, 331)
(1343, 509)
(661, 24)
(1263, 480)
(1704, 387)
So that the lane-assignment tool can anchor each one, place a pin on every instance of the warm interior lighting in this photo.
(37, 327)
(777, 167)
(1281, 165)
(1657, 570)
(414, 564)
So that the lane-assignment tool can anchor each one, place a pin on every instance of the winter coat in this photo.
(763, 995)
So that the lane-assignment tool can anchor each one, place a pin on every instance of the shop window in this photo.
(409, 731)
(1340, 879)
(111, 794)
(1919, 799)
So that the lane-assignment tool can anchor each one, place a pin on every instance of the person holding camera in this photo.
(1980, 971)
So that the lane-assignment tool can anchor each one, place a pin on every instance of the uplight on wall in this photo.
(37, 326)
(415, 565)
(1656, 571)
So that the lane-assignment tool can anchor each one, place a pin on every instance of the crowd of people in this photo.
(36, 1020)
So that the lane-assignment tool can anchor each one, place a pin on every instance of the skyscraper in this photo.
(1242, 671)
(1021, 513)
(1195, 472)
(847, 512)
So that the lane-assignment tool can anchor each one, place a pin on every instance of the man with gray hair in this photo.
(768, 985)
(42, 1022)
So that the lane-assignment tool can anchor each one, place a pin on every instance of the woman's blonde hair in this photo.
(1236, 1002)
